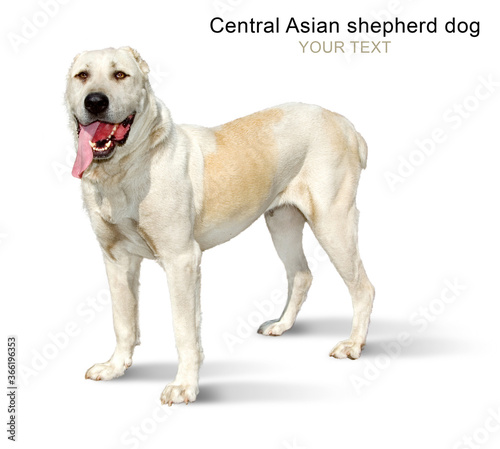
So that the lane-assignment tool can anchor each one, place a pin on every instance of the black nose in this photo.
(96, 102)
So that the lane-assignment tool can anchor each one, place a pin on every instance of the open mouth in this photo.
(98, 140)
(108, 135)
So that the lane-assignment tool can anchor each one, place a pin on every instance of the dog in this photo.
(168, 192)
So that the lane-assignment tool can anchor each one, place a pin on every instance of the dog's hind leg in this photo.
(285, 225)
(336, 228)
(123, 278)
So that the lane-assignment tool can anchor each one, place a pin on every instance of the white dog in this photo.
(168, 192)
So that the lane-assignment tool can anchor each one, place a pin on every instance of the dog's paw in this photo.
(273, 328)
(107, 370)
(175, 394)
(347, 349)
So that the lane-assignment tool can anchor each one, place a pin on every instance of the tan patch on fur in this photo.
(310, 203)
(302, 199)
(238, 176)
(158, 135)
(109, 238)
(148, 240)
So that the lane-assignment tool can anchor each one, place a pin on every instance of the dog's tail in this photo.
(362, 149)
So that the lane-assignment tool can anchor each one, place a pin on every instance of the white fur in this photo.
(150, 201)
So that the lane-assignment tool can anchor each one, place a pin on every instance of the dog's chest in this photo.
(113, 208)
(115, 204)
(118, 223)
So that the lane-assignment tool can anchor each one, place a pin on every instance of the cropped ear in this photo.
(73, 62)
(76, 57)
(143, 65)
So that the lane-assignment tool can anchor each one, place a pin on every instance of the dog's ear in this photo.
(76, 57)
(143, 65)
(73, 63)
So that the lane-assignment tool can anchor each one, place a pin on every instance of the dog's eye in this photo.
(82, 75)
(120, 75)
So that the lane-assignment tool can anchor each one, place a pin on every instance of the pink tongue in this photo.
(84, 155)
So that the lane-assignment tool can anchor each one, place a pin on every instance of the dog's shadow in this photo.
(161, 371)
(215, 385)
(384, 333)
(263, 391)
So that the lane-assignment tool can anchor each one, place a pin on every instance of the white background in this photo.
(436, 227)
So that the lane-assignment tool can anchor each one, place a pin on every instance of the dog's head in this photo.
(105, 91)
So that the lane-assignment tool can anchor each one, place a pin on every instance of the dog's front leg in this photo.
(183, 274)
(123, 278)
